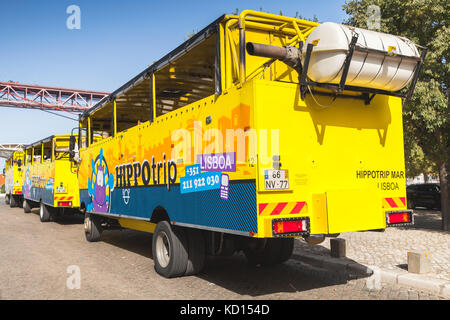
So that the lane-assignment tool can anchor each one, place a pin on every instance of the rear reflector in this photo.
(64, 203)
(399, 218)
(290, 226)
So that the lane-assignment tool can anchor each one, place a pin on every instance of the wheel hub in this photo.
(163, 249)
(87, 224)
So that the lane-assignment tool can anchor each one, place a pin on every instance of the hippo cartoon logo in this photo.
(27, 184)
(100, 185)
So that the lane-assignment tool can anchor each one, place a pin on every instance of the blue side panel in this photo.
(85, 198)
(205, 208)
(237, 213)
(36, 194)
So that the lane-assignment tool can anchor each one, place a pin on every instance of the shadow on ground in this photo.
(429, 220)
(131, 240)
(68, 219)
(235, 274)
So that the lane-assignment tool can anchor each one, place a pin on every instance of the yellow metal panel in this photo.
(89, 131)
(357, 209)
(115, 117)
(153, 96)
(319, 217)
(139, 225)
(345, 145)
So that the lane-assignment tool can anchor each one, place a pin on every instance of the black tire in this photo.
(45, 212)
(7, 199)
(411, 204)
(274, 252)
(287, 247)
(57, 214)
(196, 252)
(26, 206)
(170, 250)
(13, 202)
(92, 227)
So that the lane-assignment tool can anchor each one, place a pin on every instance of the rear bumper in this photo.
(65, 202)
(271, 212)
(335, 212)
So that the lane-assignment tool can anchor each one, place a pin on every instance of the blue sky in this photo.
(117, 40)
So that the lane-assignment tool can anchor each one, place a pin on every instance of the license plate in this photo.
(276, 179)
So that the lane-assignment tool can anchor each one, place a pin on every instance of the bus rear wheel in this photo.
(26, 206)
(13, 202)
(196, 252)
(44, 213)
(7, 198)
(170, 250)
(92, 227)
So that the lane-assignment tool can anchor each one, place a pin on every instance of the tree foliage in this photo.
(426, 115)
(425, 22)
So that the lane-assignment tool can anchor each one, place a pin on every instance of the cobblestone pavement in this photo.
(389, 249)
(35, 256)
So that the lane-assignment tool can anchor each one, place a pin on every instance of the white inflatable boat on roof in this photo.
(380, 61)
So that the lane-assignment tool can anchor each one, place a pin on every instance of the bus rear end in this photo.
(66, 189)
(13, 179)
(338, 166)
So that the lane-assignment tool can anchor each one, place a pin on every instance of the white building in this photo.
(421, 179)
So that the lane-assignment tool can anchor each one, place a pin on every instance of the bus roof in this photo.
(47, 139)
(194, 40)
(39, 142)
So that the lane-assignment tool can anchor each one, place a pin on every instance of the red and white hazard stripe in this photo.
(279, 208)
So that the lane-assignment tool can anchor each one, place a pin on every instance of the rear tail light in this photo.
(399, 218)
(64, 203)
(290, 227)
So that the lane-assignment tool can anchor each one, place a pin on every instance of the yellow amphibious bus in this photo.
(50, 179)
(13, 179)
(239, 140)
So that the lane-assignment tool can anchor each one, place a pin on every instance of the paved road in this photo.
(389, 249)
(35, 257)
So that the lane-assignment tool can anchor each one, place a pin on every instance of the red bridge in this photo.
(14, 94)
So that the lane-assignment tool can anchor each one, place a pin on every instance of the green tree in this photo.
(426, 115)
(416, 161)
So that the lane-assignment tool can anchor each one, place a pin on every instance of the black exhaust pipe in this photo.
(289, 55)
